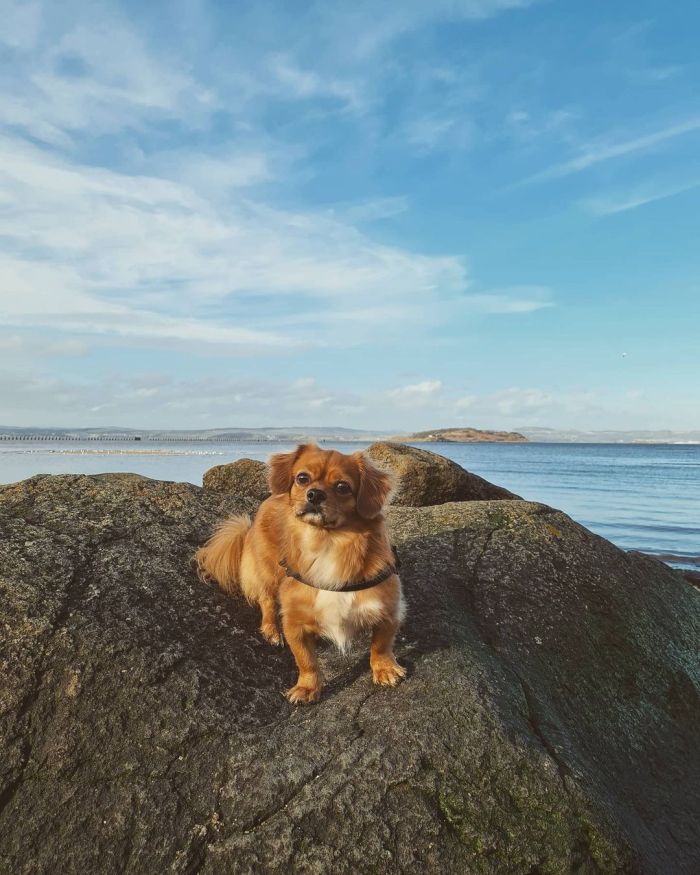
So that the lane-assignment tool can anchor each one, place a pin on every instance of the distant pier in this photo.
(133, 438)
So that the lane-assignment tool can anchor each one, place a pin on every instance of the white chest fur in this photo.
(333, 557)
(328, 566)
(341, 614)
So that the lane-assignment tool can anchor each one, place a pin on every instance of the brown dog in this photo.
(319, 546)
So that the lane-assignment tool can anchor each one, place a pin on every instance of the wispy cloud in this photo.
(366, 27)
(301, 84)
(514, 299)
(439, 106)
(631, 53)
(373, 210)
(619, 202)
(597, 153)
(439, 129)
(552, 125)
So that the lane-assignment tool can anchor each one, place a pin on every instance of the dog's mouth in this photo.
(315, 516)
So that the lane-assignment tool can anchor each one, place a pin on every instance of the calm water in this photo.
(638, 496)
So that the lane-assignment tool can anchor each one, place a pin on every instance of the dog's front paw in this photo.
(272, 634)
(388, 674)
(301, 695)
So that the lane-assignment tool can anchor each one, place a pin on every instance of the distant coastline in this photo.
(301, 434)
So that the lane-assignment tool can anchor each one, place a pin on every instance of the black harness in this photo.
(383, 575)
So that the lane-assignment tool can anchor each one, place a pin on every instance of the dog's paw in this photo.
(388, 674)
(272, 634)
(300, 695)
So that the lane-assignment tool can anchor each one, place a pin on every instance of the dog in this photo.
(318, 547)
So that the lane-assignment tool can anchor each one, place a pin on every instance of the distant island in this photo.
(462, 436)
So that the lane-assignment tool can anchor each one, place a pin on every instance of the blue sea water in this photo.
(640, 496)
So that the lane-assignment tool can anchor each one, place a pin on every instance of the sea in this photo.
(640, 496)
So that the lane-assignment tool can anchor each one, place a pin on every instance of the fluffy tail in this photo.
(219, 560)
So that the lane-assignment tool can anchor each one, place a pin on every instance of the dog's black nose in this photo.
(315, 496)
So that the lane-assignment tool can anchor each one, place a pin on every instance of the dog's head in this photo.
(327, 488)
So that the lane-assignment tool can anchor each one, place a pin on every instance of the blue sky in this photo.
(396, 215)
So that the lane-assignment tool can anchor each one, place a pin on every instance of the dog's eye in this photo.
(343, 488)
(303, 479)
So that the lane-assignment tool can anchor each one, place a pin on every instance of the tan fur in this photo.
(342, 540)
(220, 558)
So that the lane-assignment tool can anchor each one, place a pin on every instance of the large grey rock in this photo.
(244, 477)
(548, 724)
(425, 478)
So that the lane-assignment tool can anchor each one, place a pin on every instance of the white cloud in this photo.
(532, 404)
(216, 174)
(415, 393)
(523, 401)
(304, 383)
(93, 250)
(98, 76)
(466, 402)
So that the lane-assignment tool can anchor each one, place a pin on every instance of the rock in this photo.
(548, 724)
(242, 477)
(425, 478)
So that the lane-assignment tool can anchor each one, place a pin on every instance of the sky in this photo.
(375, 215)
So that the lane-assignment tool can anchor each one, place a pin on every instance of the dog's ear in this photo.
(280, 470)
(374, 489)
